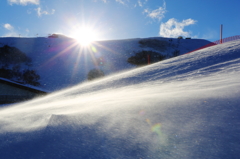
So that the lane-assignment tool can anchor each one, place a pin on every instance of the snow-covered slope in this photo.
(185, 107)
(62, 62)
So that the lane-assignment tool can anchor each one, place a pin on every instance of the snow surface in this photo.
(62, 62)
(184, 107)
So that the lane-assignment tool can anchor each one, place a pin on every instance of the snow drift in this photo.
(185, 107)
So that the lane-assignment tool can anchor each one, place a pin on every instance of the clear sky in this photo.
(120, 19)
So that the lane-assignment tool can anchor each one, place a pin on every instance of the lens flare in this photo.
(157, 128)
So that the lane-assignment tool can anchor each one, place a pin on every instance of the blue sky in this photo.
(120, 19)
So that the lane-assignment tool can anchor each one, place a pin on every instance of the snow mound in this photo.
(185, 107)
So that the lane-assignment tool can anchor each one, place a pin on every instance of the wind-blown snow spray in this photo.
(101, 119)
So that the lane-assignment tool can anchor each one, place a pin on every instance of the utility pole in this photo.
(221, 29)
(148, 57)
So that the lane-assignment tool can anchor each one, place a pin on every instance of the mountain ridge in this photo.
(62, 62)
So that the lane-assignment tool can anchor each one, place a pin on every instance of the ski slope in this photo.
(184, 107)
(62, 62)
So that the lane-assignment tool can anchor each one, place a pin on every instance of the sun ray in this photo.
(59, 54)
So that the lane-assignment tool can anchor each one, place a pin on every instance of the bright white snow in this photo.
(185, 107)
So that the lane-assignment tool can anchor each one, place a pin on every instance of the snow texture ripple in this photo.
(185, 107)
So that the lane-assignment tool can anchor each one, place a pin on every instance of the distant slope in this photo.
(181, 108)
(62, 62)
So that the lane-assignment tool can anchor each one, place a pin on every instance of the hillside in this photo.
(185, 107)
(62, 62)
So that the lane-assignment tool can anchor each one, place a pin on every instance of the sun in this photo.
(85, 35)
